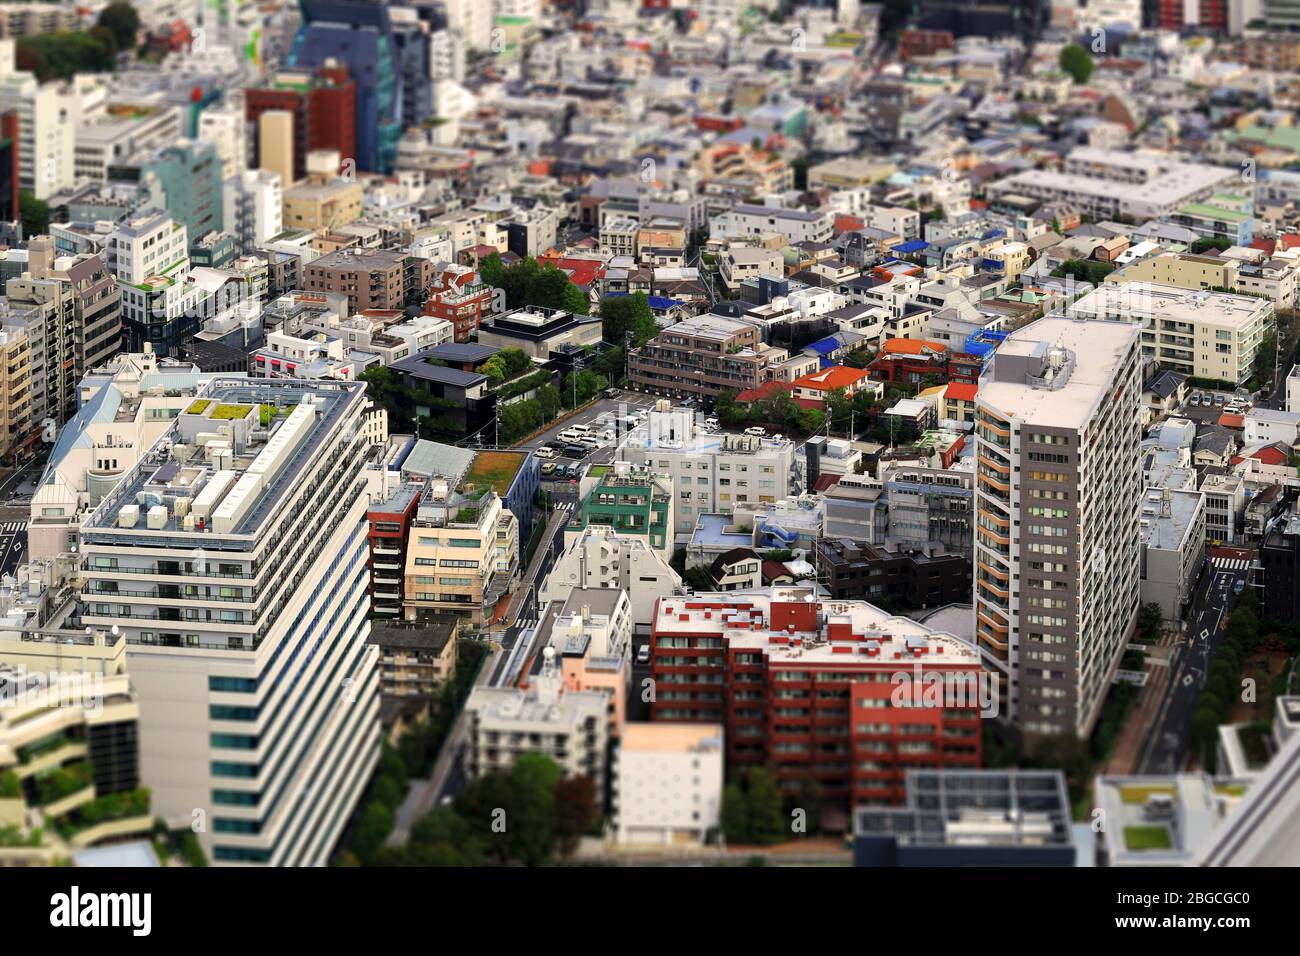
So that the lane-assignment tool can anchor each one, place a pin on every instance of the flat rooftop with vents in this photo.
(223, 465)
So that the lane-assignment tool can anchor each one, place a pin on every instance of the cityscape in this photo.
(650, 434)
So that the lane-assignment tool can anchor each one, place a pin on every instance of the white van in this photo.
(580, 429)
(757, 431)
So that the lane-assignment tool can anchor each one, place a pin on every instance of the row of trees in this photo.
(412, 758)
(526, 283)
(780, 412)
(60, 56)
(754, 811)
(1223, 686)
(528, 815)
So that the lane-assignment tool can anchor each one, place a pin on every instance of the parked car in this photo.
(711, 424)
(545, 452)
(1219, 400)
(548, 468)
(643, 654)
(578, 452)
(555, 445)
(612, 393)
(757, 430)
(1196, 398)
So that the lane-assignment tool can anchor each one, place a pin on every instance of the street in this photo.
(1166, 747)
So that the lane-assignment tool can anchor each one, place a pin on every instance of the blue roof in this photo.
(826, 346)
(915, 245)
(655, 301)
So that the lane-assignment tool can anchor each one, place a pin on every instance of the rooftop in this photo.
(224, 464)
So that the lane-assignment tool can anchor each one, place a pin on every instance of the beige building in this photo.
(275, 139)
(667, 783)
(547, 718)
(1182, 271)
(323, 205)
(15, 386)
(462, 553)
(848, 173)
(739, 263)
(1208, 335)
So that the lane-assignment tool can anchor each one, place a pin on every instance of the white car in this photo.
(711, 424)
(545, 453)
(756, 430)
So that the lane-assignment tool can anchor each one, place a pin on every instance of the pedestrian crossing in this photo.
(1231, 564)
(13, 527)
(527, 623)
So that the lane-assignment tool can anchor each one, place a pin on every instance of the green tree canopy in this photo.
(122, 21)
(624, 314)
(1075, 61)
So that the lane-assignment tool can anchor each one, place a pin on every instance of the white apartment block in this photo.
(601, 558)
(667, 783)
(47, 128)
(1171, 532)
(104, 139)
(710, 473)
(1293, 389)
(1109, 183)
(797, 225)
(253, 207)
(232, 557)
(1225, 500)
(568, 726)
(1058, 487)
(1210, 335)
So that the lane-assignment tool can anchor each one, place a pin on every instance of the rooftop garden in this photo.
(496, 469)
(1136, 793)
(114, 806)
(11, 837)
(268, 413)
(1148, 838)
(10, 785)
(596, 471)
(198, 406)
(230, 412)
(63, 782)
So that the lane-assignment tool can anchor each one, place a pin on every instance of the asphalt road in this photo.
(621, 406)
(1166, 748)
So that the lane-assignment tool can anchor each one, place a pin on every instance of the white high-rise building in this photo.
(473, 19)
(1058, 492)
(254, 212)
(233, 559)
(48, 114)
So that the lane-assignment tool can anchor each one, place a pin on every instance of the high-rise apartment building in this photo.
(232, 557)
(1058, 490)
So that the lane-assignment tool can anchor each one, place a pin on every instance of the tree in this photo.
(372, 830)
(35, 215)
(526, 283)
(767, 820)
(443, 838)
(621, 315)
(734, 814)
(575, 808)
(532, 818)
(1075, 61)
(1150, 620)
(122, 21)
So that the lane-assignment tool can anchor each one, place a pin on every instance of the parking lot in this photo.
(599, 416)
(1207, 411)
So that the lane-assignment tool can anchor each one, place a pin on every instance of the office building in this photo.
(1056, 512)
(232, 557)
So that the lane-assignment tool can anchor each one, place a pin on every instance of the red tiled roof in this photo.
(961, 391)
(1229, 420)
(1289, 240)
(837, 376)
(847, 223)
(766, 390)
(912, 346)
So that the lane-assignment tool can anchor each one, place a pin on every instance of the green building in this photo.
(631, 501)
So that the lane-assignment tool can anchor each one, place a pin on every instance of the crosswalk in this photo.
(1231, 564)
(13, 527)
(527, 623)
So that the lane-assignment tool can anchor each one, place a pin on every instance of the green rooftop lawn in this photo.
(198, 406)
(1136, 793)
(228, 412)
(1148, 838)
(495, 468)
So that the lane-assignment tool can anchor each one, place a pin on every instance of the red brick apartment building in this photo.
(837, 691)
(460, 297)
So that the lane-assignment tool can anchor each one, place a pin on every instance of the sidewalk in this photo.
(1132, 737)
